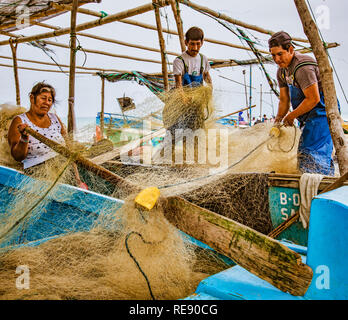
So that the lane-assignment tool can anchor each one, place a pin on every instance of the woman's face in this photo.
(42, 104)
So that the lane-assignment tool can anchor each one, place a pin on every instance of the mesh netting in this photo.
(98, 247)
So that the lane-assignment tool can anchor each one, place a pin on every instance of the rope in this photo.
(78, 47)
(291, 148)
(220, 172)
(135, 260)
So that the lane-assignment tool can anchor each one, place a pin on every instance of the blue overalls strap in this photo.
(191, 80)
(302, 64)
(185, 66)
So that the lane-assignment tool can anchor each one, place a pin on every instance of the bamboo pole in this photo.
(102, 106)
(91, 24)
(122, 43)
(231, 20)
(71, 99)
(230, 114)
(173, 32)
(176, 12)
(57, 44)
(15, 70)
(151, 27)
(43, 70)
(162, 44)
(328, 84)
(64, 65)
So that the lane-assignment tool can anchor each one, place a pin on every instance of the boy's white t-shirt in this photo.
(193, 64)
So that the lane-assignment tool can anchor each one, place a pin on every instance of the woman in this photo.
(31, 152)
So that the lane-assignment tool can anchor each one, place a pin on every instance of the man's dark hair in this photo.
(194, 33)
(41, 87)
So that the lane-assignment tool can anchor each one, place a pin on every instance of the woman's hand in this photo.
(21, 128)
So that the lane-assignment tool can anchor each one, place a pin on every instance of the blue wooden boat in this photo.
(325, 253)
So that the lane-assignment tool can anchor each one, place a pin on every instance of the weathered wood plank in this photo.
(257, 253)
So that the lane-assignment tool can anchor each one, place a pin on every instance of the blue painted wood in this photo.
(65, 209)
(328, 245)
(283, 203)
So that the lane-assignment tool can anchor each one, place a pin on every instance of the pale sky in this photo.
(270, 14)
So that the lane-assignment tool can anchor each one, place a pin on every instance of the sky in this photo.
(229, 96)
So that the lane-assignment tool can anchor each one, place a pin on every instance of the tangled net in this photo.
(122, 252)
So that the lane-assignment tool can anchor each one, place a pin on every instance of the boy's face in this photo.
(193, 47)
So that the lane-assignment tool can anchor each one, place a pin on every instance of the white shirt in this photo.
(193, 64)
(38, 152)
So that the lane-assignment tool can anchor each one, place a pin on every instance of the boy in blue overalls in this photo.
(299, 81)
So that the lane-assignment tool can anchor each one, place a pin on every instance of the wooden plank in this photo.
(257, 253)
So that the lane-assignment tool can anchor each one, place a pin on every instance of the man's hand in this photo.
(289, 120)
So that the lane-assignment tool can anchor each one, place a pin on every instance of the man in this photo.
(190, 70)
(299, 81)
(192, 67)
(187, 109)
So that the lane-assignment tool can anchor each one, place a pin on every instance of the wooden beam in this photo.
(173, 32)
(257, 253)
(57, 44)
(15, 70)
(43, 70)
(119, 42)
(328, 84)
(64, 65)
(91, 24)
(162, 45)
(102, 106)
(231, 20)
(176, 12)
(71, 99)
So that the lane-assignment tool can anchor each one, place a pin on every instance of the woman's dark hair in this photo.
(41, 87)
(194, 33)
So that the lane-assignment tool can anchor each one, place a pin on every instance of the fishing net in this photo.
(82, 245)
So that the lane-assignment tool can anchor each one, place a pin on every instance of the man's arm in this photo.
(207, 79)
(178, 81)
(312, 98)
(284, 104)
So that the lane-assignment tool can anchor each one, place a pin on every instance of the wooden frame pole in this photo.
(71, 99)
(231, 20)
(162, 45)
(333, 115)
(102, 106)
(15, 70)
(176, 12)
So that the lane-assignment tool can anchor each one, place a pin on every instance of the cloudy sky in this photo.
(229, 96)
